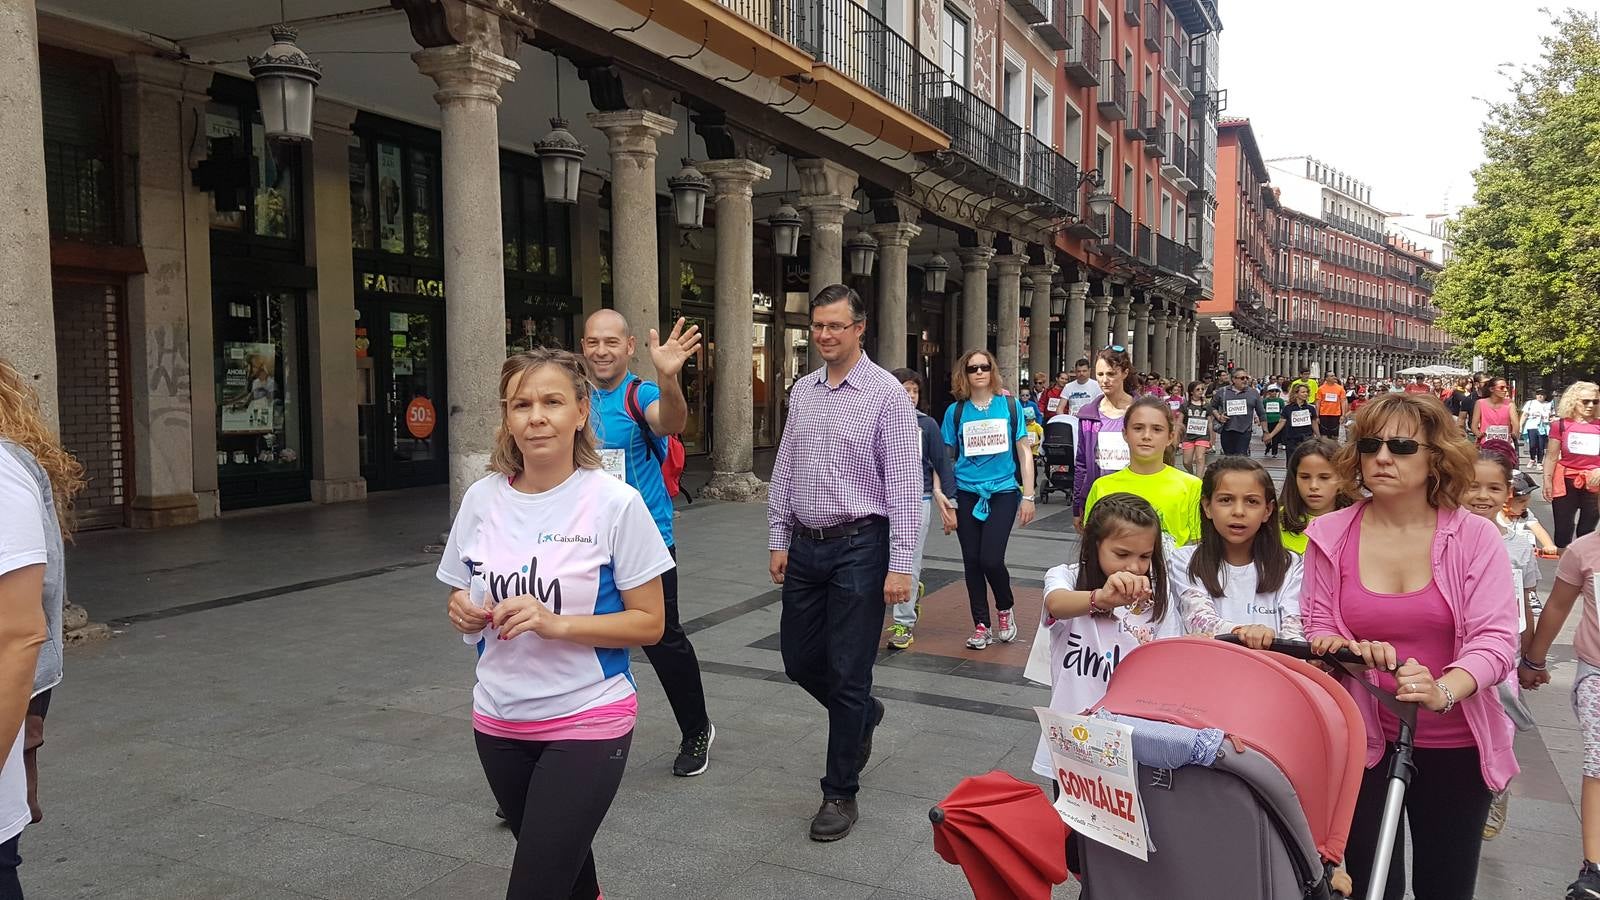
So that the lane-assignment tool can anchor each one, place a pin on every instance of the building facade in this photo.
(239, 322)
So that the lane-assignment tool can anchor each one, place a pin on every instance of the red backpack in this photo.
(672, 463)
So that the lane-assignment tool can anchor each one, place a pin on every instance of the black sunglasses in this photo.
(1590, 401)
(975, 368)
(1397, 446)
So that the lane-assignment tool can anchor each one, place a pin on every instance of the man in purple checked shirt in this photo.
(843, 511)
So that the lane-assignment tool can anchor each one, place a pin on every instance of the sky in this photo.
(1390, 91)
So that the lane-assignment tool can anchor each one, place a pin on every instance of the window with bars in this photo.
(80, 146)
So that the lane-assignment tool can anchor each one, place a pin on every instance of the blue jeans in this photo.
(906, 613)
(832, 618)
(10, 859)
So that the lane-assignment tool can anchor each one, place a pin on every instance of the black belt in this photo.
(842, 530)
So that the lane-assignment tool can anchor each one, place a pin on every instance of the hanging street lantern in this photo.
(561, 159)
(1099, 202)
(785, 223)
(1058, 302)
(863, 250)
(286, 86)
(934, 272)
(689, 189)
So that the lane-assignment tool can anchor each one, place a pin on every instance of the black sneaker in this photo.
(694, 754)
(875, 717)
(1587, 887)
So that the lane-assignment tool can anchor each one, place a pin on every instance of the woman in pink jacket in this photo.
(1416, 586)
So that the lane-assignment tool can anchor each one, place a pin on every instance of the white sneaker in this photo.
(1008, 627)
(980, 638)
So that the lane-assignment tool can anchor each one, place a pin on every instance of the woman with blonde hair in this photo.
(1572, 470)
(38, 480)
(557, 565)
(1439, 635)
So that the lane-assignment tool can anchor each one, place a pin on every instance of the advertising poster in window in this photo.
(391, 201)
(250, 388)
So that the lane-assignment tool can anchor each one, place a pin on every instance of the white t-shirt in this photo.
(1085, 650)
(1534, 414)
(21, 544)
(1240, 603)
(576, 547)
(1079, 394)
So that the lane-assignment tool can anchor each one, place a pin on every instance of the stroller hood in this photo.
(1285, 709)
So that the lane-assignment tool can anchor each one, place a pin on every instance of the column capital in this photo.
(894, 234)
(1010, 264)
(1041, 275)
(824, 177)
(1102, 302)
(1120, 304)
(1077, 290)
(733, 177)
(465, 73)
(633, 132)
(826, 209)
(1141, 307)
(975, 259)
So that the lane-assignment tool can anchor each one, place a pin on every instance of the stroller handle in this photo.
(1299, 650)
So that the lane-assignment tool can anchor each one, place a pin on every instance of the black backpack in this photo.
(1016, 421)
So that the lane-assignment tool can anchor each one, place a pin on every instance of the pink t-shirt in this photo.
(1580, 443)
(1494, 423)
(1420, 626)
(1579, 565)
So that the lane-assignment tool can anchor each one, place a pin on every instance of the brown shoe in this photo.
(833, 820)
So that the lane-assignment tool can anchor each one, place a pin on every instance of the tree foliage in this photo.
(1524, 285)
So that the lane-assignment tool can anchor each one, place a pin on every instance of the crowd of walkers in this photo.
(562, 557)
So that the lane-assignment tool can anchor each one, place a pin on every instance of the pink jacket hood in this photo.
(1473, 572)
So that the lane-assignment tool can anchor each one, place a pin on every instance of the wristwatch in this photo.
(1028, 497)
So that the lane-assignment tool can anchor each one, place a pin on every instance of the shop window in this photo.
(537, 234)
(394, 189)
(261, 422)
(360, 196)
(421, 179)
(269, 205)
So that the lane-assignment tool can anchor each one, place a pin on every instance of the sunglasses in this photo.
(1589, 402)
(1117, 348)
(978, 367)
(1397, 446)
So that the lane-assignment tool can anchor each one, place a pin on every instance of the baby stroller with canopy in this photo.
(1057, 458)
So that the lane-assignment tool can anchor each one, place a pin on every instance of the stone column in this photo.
(28, 339)
(469, 81)
(827, 192)
(1119, 321)
(732, 442)
(1190, 326)
(974, 298)
(1008, 309)
(1043, 278)
(1158, 343)
(1174, 340)
(1101, 329)
(1141, 336)
(1077, 295)
(894, 250)
(635, 257)
(335, 454)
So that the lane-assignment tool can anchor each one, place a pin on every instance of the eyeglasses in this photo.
(1590, 401)
(1397, 446)
(975, 368)
(833, 328)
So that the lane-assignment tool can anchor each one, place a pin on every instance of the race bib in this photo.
(1197, 426)
(1053, 404)
(1076, 403)
(1111, 452)
(615, 463)
(1299, 418)
(1237, 408)
(1330, 398)
(1583, 444)
(984, 437)
(1503, 432)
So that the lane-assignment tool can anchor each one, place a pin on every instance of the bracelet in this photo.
(1029, 499)
(1095, 609)
(1449, 698)
(1527, 663)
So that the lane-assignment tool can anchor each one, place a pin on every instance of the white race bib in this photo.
(615, 462)
(1197, 426)
(1053, 404)
(1503, 432)
(1111, 452)
(984, 437)
(1330, 398)
(1237, 408)
(1299, 418)
(1076, 403)
(1583, 443)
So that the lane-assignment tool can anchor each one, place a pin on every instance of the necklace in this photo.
(984, 406)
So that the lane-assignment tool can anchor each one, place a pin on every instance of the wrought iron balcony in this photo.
(1175, 257)
(1194, 171)
(1051, 177)
(844, 35)
(1174, 151)
(1145, 244)
(1054, 32)
(1152, 26)
(1083, 58)
(1122, 229)
(1031, 11)
(1113, 94)
(978, 132)
(1175, 61)
(1153, 145)
(1138, 116)
(1130, 11)
(1305, 327)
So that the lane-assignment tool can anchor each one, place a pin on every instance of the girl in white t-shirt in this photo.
(557, 565)
(1097, 610)
(1239, 579)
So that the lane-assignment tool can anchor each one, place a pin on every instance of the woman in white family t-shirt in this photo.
(557, 566)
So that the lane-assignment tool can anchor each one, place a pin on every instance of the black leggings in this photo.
(555, 795)
(983, 551)
(1445, 809)
(1578, 504)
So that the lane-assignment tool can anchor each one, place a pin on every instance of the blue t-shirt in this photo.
(619, 434)
(985, 456)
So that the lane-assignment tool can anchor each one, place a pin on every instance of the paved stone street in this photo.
(284, 713)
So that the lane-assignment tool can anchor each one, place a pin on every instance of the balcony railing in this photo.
(1152, 26)
(1031, 11)
(844, 35)
(977, 130)
(1054, 32)
(1130, 11)
(1175, 61)
(1138, 116)
(1122, 229)
(1194, 170)
(1051, 176)
(1145, 244)
(1306, 327)
(1113, 93)
(1153, 145)
(1083, 59)
(1174, 149)
(1175, 257)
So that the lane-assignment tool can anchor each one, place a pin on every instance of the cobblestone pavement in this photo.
(284, 713)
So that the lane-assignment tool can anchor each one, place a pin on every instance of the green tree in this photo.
(1524, 286)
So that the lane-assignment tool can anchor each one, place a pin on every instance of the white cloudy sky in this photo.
(1386, 90)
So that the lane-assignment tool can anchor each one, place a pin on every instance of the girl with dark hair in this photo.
(1097, 610)
(1310, 489)
(1239, 579)
(1101, 446)
(1195, 414)
(1496, 419)
(1174, 493)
